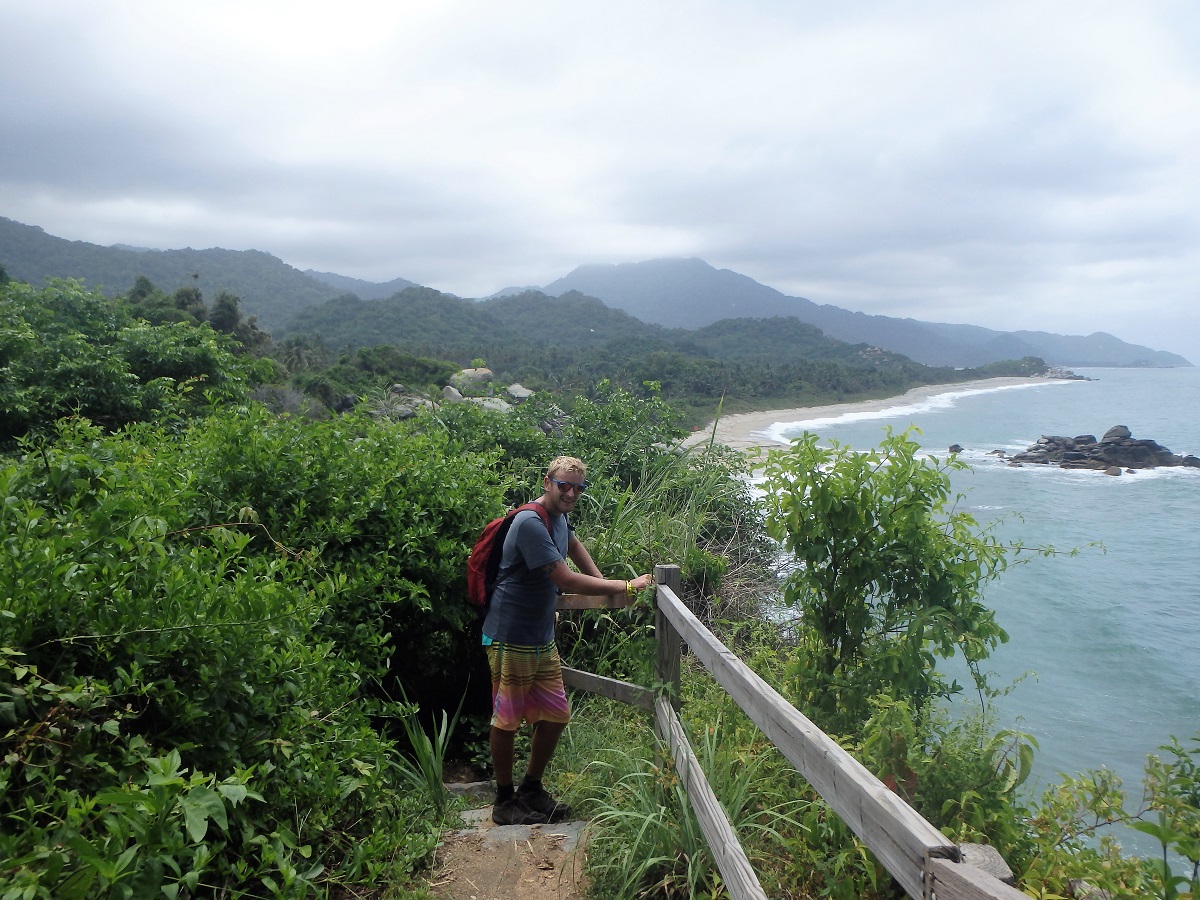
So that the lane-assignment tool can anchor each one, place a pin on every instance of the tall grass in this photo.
(425, 771)
(686, 506)
(646, 838)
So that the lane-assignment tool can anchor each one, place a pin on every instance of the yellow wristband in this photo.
(629, 591)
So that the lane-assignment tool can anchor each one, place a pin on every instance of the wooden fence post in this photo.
(667, 639)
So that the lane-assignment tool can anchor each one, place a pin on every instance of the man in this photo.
(518, 635)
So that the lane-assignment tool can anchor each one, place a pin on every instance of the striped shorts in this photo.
(526, 684)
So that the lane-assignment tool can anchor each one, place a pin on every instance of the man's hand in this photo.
(569, 582)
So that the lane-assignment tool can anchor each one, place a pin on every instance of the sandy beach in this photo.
(747, 431)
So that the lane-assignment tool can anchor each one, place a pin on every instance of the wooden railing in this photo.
(920, 858)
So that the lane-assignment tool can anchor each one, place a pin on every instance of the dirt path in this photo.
(484, 861)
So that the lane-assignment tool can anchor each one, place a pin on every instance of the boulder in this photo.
(1117, 449)
(401, 406)
(452, 395)
(518, 393)
(554, 423)
(1115, 434)
(493, 403)
(400, 403)
(955, 448)
(467, 379)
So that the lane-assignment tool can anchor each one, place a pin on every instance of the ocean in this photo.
(1105, 644)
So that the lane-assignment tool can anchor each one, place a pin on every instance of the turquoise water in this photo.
(1112, 636)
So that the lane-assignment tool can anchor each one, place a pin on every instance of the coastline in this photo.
(748, 431)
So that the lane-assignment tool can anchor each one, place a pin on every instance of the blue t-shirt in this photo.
(524, 599)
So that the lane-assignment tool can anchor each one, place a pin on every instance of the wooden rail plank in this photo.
(668, 645)
(958, 881)
(623, 691)
(589, 601)
(901, 839)
(736, 872)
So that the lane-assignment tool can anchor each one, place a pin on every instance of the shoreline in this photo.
(747, 431)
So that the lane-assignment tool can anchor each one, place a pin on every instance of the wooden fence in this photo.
(921, 859)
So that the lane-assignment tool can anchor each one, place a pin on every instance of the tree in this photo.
(887, 573)
(302, 352)
(191, 301)
(145, 301)
(225, 314)
(226, 317)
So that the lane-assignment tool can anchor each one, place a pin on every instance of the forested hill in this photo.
(575, 340)
(691, 292)
(368, 290)
(426, 321)
(268, 287)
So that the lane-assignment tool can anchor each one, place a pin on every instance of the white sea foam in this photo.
(783, 432)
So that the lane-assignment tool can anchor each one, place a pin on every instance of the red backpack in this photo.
(483, 565)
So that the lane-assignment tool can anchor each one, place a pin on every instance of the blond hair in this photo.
(566, 464)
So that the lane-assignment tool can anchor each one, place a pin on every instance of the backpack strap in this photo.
(544, 515)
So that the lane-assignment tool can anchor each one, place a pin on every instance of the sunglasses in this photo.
(566, 486)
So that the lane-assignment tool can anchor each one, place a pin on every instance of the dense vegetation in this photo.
(567, 344)
(210, 623)
(179, 349)
(225, 633)
(65, 350)
(563, 344)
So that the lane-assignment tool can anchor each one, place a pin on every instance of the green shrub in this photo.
(185, 699)
(387, 511)
(888, 574)
(66, 350)
(1173, 797)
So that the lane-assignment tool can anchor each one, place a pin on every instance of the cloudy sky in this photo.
(1011, 164)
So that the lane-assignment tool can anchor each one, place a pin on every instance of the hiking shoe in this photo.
(515, 811)
(540, 802)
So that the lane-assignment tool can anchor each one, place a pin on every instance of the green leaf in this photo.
(78, 886)
(123, 861)
(130, 797)
(200, 805)
(234, 793)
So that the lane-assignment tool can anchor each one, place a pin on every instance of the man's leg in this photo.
(548, 702)
(501, 743)
(508, 703)
(531, 790)
(545, 741)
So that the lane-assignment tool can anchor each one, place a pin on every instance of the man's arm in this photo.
(582, 559)
(572, 582)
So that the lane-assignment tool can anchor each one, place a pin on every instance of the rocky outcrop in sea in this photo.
(1118, 450)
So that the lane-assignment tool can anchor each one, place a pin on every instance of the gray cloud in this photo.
(1007, 164)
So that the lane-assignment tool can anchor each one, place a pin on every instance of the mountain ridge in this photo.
(667, 292)
(662, 291)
